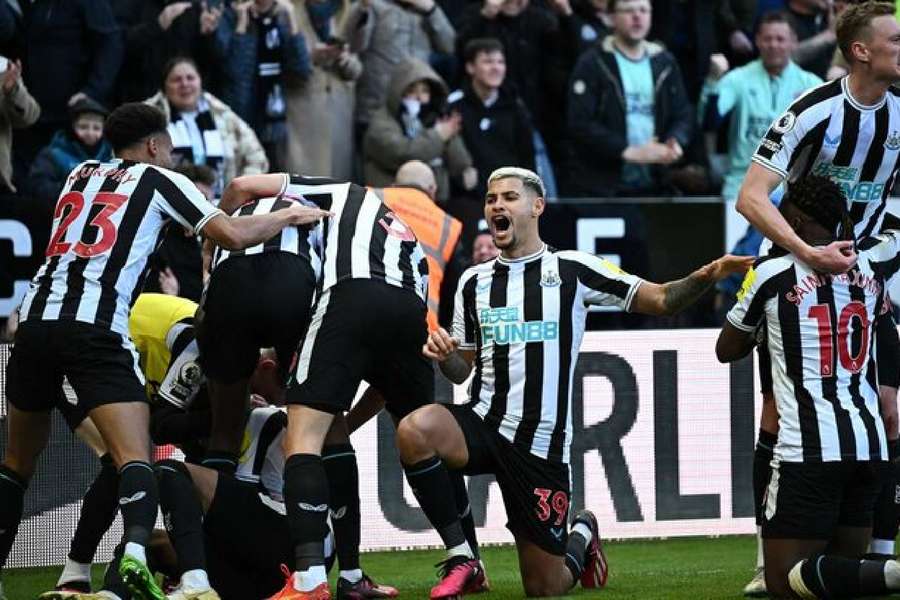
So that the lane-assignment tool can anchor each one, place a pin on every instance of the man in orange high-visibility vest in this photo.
(412, 199)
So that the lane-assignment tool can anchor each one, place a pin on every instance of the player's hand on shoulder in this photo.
(836, 257)
(440, 345)
(306, 215)
(727, 265)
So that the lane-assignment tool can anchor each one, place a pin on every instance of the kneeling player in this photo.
(831, 449)
(523, 316)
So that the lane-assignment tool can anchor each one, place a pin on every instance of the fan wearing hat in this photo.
(82, 141)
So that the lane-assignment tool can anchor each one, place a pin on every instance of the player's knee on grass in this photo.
(553, 580)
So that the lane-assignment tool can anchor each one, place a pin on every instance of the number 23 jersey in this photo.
(820, 335)
(106, 224)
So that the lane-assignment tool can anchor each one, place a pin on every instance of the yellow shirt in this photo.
(152, 319)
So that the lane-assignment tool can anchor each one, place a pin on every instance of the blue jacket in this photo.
(237, 55)
(56, 160)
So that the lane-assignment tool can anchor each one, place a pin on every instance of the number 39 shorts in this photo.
(535, 491)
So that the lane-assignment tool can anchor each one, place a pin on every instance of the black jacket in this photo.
(71, 46)
(596, 117)
(527, 41)
(497, 136)
(148, 47)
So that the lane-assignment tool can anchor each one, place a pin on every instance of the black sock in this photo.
(430, 481)
(221, 461)
(838, 577)
(762, 469)
(576, 551)
(98, 511)
(464, 510)
(306, 500)
(138, 500)
(182, 514)
(886, 520)
(343, 499)
(12, 502)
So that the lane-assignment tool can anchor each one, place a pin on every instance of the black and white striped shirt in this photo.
(821, 344)
(827, 132)
(261, 459)
(525, 319)
(302, 241)
(363, 239)
(107, 222)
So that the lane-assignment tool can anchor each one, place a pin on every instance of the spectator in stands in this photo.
(628, 112)
(73, 50)
(324, 145)
(177, 266)
(589, 23)
(496, 126)
(17, 111)
(814, 21)
(753, 95)
(82, 140)
(483, 248)
(156, 31)
(413, 125)
(204, 130)
(686, 28)
(734, 22)
(384, 33)
(527, 33)
(263, 53)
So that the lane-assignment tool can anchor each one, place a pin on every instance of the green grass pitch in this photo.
(695, 568)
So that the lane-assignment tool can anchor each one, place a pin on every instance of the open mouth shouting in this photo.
(501, 227)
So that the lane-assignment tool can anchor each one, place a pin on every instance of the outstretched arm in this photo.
(674, 296)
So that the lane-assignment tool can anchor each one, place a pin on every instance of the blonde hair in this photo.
(529, 178)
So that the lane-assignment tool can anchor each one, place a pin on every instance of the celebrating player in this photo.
(520, 319)
(831, 447)
(74, 319)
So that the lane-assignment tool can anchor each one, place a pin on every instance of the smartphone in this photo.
(4, 64)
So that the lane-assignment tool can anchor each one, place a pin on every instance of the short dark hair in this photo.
(131, 123)
(481, 45)
(776, 16)
(822, 200)
(171, 64)
(856, 21)
(198, 173)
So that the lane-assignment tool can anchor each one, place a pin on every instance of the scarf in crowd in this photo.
(187, 142)
(320, 13)
(270, 106)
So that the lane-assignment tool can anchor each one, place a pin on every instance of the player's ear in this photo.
(537, 207)
(152, 146)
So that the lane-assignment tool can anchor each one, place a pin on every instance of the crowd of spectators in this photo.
(602, 97)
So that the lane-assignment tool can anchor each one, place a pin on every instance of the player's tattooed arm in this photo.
(455, 364)
(456, 368)
(674, 296)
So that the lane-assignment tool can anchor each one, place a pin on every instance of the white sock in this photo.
(307, 581)
(892, 575)
(353, 575)
(881, 546)
(462, 550)
(74, 571)
(195, 580)
(583, 530)
(760, 561)
(136, 551)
